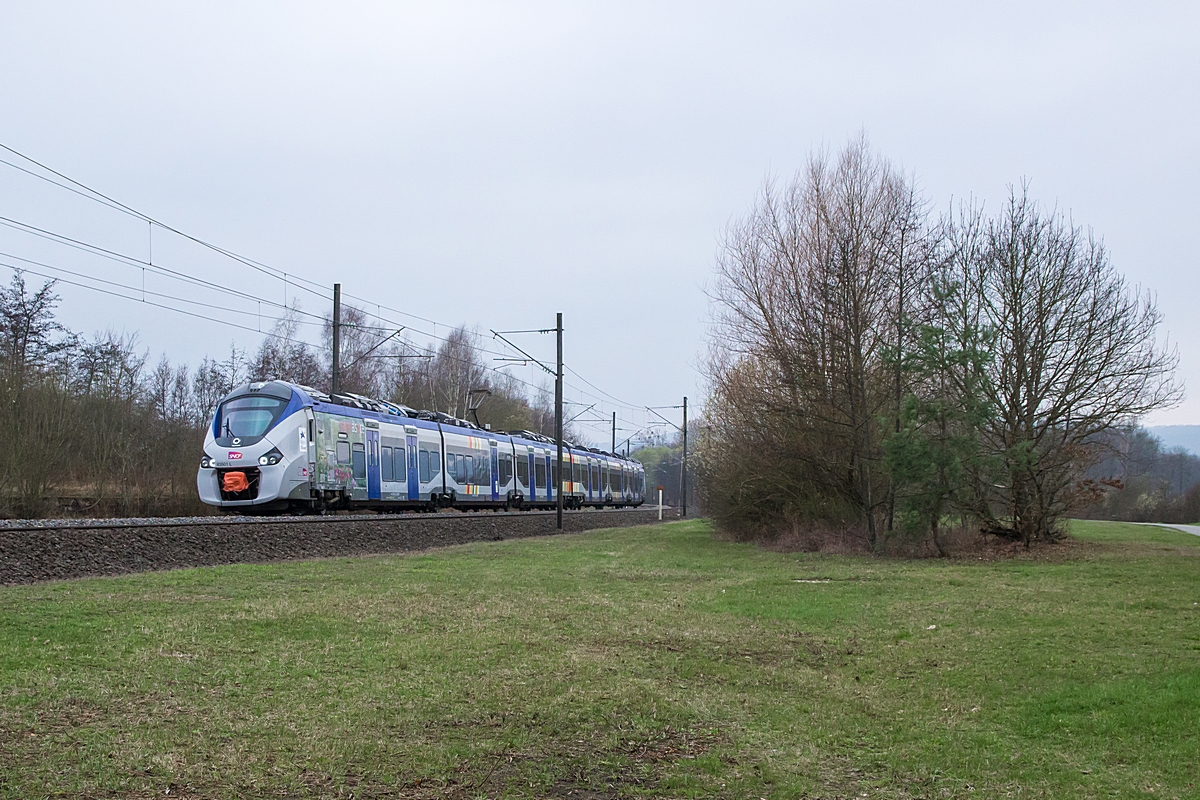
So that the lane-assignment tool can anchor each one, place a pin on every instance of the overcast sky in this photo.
(492, 164)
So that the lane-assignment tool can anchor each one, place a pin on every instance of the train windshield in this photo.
(248, 417)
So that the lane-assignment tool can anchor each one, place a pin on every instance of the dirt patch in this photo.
(578, 770)
(798, 648)
(588, 771)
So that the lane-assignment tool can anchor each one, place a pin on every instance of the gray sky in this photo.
(491, 164)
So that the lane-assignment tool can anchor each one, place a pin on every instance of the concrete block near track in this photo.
(44, 551)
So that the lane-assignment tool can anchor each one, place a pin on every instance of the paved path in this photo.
(1192, 529)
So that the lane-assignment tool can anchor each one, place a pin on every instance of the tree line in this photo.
(879, 368)
(1147, 481)
(90, 425)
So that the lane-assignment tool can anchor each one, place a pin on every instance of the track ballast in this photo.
(39, 550)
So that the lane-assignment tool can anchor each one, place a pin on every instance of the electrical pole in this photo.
(336, 382)
(558, 398)
(683, 464)
(558, 419)
(614, 442)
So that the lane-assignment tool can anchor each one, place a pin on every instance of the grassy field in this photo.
(641, 662)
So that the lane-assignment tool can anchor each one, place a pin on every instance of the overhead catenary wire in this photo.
(100, 197)
(144, 291)
(136, 299)
(207, 318)
(104, 199)
(297, 281)
(133, 261)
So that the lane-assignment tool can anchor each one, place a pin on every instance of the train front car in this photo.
(256, 451)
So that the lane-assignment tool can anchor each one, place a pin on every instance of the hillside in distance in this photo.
(1172, 436)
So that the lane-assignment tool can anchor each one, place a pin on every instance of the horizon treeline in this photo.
(90, 426)
(1154, 483)
(879, 369)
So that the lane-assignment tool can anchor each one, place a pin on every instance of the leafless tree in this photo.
(284, 355)
(108, 365)
(215, 379)
(813, 287)
(863, 359)
(1074, 355)
(28, 329)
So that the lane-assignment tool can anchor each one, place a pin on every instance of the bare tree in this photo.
(215, 379)
(812, 290)
(1074, 355)
(108, 365)
(28, 328)
(284, 355)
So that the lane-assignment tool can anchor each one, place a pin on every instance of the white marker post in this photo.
(660, 504)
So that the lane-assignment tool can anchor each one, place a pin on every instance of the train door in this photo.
(495, 472)
(551, 488)
(414, 485)
(532, 479)
(373, 485)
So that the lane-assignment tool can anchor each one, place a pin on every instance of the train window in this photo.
(359, 459)
(523, 470)
(435, 463)
(423, 466)
(466, 467)
(385, 464)
(248, 417)
(505, 470)
(539, 472)
(554, 474)
(483, 471)
(400, 464)
(343, 452)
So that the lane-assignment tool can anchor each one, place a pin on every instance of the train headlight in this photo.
(206, 462)
(271, 458)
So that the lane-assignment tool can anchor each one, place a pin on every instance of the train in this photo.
(279, 447)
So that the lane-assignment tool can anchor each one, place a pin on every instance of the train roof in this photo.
(383, 409)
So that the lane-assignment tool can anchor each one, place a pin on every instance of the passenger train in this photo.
(277, 446)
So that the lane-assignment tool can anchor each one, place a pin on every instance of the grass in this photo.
(641, 662)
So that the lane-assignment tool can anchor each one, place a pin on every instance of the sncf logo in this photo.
(234, 455)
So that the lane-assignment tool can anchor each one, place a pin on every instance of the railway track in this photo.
(39, 550)
(174, 522)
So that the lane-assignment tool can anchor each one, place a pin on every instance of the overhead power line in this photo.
(136, 299)
(297, 281)
(133, 261)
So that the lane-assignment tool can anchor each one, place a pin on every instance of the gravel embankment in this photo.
(39, 550)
